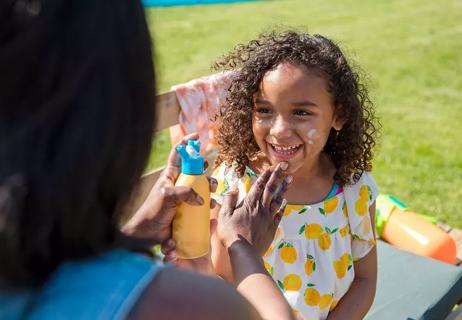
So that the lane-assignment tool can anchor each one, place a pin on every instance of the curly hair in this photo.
(350, 148)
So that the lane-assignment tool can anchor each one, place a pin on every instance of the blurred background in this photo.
(410, 50)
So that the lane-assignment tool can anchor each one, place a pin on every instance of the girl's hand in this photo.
(153, 221)
(259, 214)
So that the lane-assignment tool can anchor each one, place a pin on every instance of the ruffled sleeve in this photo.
(227, 179)
(359, 197)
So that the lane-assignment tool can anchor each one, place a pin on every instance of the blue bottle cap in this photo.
(191, 160)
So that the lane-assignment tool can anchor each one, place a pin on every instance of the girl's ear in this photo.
(338, 122)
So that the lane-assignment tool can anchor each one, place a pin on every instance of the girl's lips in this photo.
(283, 153)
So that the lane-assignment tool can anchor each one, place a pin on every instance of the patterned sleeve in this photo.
(360, 197)
(227, 179)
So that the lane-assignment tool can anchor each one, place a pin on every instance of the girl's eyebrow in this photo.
(261, 101)
(306, 103)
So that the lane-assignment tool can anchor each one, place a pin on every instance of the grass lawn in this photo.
(410, 49)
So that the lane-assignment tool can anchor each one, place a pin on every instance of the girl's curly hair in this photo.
(350, 148)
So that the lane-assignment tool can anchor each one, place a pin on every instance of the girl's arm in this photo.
(356, 302)
(220, 257)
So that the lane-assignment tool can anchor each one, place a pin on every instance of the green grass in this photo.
(410, 49)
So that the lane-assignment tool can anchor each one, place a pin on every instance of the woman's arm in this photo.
(246, 231)
(356, 302)
(177, 294)
(240, 265)
(255, 284)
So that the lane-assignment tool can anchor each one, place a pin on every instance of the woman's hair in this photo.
(350, 149)
(76, 120)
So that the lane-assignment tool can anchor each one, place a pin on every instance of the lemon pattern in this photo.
(310, 265)
(288, 253)
(312, 296)
(312, 255)
(342, 265)
(291, 282)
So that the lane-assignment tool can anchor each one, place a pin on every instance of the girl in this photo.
(296, 99)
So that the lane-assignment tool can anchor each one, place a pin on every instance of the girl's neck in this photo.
(312, 182)
(311, 170)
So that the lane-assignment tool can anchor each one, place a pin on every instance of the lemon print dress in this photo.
(311, 257)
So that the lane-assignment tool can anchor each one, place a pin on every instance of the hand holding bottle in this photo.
(153, 220)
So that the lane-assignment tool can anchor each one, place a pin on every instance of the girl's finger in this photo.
(213, 203)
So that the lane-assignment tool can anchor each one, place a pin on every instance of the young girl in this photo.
(296, 99)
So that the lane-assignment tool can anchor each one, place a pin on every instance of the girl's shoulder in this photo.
(365, 188)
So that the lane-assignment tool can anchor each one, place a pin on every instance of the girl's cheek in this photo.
(263, 122)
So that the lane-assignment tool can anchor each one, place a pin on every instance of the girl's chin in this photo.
(293, 167)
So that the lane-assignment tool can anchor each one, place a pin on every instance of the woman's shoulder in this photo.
(125, 272)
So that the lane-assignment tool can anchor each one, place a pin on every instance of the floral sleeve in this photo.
(359, 198)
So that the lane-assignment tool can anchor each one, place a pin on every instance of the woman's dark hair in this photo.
(350, 149)
(76, 119)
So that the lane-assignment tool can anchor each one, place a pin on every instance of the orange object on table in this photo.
(409, 231)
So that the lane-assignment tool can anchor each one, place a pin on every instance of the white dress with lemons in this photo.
(311, 257)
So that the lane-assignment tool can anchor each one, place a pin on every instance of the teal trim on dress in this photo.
(333, 192)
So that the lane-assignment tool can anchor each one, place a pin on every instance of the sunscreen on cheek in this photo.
(311, 134)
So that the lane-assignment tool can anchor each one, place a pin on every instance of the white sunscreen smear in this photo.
(192, 152)
(310, 135)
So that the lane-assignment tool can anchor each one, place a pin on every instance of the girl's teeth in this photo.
(286, 150)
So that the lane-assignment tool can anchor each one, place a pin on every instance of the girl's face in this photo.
(293, 115)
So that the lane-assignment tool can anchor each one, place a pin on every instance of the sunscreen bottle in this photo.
(191, 225)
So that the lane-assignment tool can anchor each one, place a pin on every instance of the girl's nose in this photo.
(281, 128)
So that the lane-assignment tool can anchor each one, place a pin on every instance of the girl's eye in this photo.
(302, 113)
(262, 110)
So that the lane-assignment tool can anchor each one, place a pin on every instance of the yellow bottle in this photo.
(191, 225)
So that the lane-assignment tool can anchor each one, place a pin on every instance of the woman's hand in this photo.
(153, 221)
(259, 214)
(201, 265)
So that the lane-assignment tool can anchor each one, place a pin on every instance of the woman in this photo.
(76, 117)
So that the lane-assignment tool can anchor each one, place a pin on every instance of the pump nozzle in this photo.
(191, 160)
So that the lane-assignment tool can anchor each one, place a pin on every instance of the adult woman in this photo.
(76, 117)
